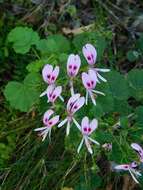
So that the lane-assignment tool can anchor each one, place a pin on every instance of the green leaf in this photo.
(23, 38)
(122, 107)
(24, 95)
(118, 85)
(135, 80)
(37, 65)
(132, 55)
(54, 44)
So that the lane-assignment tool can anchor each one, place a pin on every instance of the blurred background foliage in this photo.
(36, 32)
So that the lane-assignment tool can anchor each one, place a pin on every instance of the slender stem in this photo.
(71, 87)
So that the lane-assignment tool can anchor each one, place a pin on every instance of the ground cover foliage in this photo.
(35, 33)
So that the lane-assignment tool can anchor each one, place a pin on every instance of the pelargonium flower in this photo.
(73, 105)
(49, 74)
(90, 55)
(107, 146)
(73, 65)
(138, 149)
(53, 93)
(131, 168)
(49, 123)
(86, 129)
(89, 81)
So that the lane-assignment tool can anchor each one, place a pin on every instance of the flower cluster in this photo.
(76, 101)
(90, 78)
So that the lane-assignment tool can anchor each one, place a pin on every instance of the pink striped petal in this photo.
(72, 100)
(54, 74)
(85, 125)
(46, 73)
(86, 80)
(50, 90)
(122, 167)
(53, 121)
(47, 115)
(56, 93)
(138, 148)
(78, 104)
(93, 125)
(89, 53)
(93, 78)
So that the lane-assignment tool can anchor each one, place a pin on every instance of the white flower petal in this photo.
(62, 123)
(61, 98)
(102, 78)
(80, 145)
(43, 93)
(68, 128)
(40, 129)
(94, 141)
(76, 123)
(88, 145)
(98, 92)
(92, 98)
(86, 98)
(133, 176)
(102, 70)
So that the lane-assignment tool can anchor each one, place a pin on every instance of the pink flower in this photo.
(73, 105)
(89, 81)
(73, 65)
(139, 150)
(49, 74)
(49, 123)
(131, 168)
(53, 93)
(107, 146)
(89, 53)
(86, 129)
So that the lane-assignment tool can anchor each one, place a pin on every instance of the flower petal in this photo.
(89, 53)
(88, 145)
(50, 90)
(138, 148)
(47, 115)
(57, 91)
(72, 100)
(40, 129)
(80, 145)
(122, 167)
(102, 78)
(94, 141)
(78, 104)
(54, 120)
(86, 80)
(62, 122)
(102, 70)
(76, 123)
(93, 125)
(85, 125)
(68, 128)
(46, 72)
(55, 74)
(93, 77)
